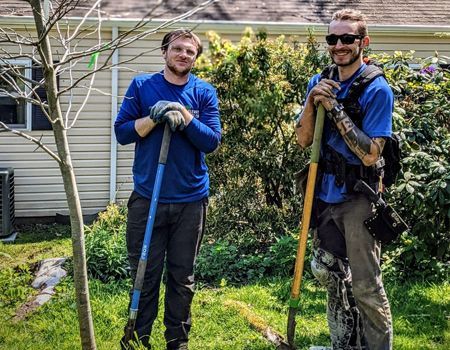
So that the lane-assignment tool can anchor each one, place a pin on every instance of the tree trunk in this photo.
(70, 186)
(79, 254)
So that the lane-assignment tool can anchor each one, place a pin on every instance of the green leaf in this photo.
(93, 59)
(409, 188)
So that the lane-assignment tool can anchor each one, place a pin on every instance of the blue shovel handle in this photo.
(139, 281)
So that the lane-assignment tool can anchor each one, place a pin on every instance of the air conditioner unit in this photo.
(7, 215)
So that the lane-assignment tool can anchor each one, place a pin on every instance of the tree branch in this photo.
(99, 33)
(6, 37)
(124, 39)
(32, 139)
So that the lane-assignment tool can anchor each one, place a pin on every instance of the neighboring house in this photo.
(103, 169)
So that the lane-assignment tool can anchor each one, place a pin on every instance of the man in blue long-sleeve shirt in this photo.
(190, 106)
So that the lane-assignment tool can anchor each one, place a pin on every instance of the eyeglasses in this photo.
(178, 50)
(346, 39)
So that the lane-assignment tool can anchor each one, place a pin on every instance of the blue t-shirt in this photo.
(186, 176)
(377, 104)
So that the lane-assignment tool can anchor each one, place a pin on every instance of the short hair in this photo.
(352, 16)
(181, 33)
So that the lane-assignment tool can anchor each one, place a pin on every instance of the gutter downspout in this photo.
(114, 94)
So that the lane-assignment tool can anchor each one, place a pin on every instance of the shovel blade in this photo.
(291, 326)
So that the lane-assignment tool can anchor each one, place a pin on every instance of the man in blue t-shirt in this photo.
(190, 106)
(346, 258)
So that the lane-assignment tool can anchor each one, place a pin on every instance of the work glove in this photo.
(175, 120)
(157, 111)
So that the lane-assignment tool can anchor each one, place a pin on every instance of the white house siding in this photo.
(39, 190)
(423, 46)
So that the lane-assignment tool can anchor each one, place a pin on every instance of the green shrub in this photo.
(222, 260)
(422, 192)
(260, 83)
(106, 245)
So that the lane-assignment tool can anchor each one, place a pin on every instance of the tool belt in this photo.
(347, 173)
(386, 224)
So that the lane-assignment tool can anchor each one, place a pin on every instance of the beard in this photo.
(355, 57)
(178, 72)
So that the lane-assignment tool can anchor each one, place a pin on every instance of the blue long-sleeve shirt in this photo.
(186, 176)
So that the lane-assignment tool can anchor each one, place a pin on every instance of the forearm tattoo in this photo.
(358, 142)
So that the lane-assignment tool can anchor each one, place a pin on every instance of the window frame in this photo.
(26, 63)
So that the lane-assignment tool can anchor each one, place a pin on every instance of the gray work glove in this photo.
(175, 120)
(157, 111)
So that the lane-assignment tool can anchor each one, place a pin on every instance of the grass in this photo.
(421, 310)
(37, 242)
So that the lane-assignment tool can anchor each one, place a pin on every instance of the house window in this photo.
(15, 111)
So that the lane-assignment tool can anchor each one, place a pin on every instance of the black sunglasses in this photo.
(346, 39)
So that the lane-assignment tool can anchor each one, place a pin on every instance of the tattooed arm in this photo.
(366, 149)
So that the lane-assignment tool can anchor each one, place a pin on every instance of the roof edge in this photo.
(232, 27)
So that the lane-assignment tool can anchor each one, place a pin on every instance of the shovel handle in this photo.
(307, 205)
(140, 273)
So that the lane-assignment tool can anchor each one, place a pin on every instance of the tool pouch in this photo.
(385, 225)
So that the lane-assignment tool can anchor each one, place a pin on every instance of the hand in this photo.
(327, 103)
(157, 111)
(175, 120)
(325, 88)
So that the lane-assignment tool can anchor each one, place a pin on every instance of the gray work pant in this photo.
(176, 238)
(340, 231)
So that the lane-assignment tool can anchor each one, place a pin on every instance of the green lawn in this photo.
(421, 310)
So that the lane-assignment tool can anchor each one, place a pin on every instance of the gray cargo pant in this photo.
(347, 262)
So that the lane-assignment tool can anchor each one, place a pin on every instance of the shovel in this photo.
(139, 281)
(306, 218)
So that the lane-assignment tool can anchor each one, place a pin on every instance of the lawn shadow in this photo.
(34, 233)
